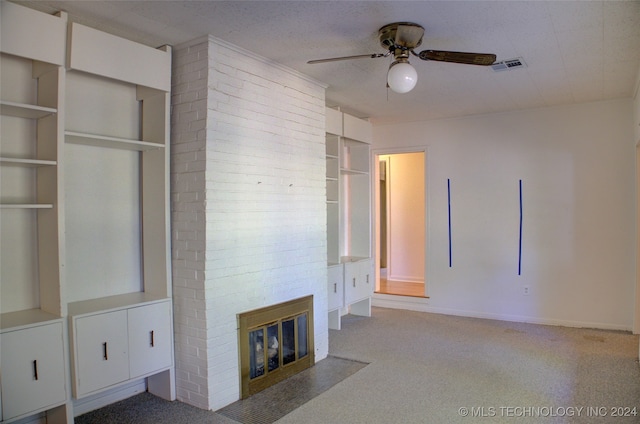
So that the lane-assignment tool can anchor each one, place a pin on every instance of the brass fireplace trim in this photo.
(262, 317)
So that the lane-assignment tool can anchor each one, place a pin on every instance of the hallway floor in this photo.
(401, 288)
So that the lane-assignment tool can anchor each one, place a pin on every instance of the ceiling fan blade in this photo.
(409, 35)
(359, 56)
(483, 59)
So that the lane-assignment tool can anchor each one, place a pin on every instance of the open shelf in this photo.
(346, 171)
(346, 259)
(111, 303)
(27, 163)
(26, 318)
(110, 142)
(23, 110)
(26, 206)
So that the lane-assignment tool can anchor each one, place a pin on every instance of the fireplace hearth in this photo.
(275, 342)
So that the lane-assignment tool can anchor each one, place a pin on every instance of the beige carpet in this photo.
(429, 368)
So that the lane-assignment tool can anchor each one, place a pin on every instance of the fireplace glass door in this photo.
(275, 342)
(286, 342)
(256, 341)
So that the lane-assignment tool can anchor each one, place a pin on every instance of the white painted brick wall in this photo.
(188, 184)
(248, 203)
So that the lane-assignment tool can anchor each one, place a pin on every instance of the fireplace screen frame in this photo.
(262, 319)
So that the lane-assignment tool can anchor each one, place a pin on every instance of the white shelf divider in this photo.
(26, 206)
(23, 110)
(28, 163)
(346, 171)
(25, 319)
(110, 142)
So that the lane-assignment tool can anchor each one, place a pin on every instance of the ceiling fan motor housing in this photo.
(401, 36)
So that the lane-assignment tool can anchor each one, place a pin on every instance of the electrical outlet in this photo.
(525, 290)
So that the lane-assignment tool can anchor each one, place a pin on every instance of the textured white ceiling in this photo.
(575, 51)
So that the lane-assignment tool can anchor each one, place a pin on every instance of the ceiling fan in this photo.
(400, 39)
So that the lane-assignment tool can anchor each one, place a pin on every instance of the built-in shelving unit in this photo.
(333, 198)
(84, 204)
(333, 167)
(34, 354)
(116, 138)
(350, 265)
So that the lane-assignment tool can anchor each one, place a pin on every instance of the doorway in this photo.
(400, 223)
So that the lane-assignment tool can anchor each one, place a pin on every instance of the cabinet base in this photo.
(93, 402)
(360, 308)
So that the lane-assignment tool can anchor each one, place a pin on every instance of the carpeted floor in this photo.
(430, 368)
(264, 407)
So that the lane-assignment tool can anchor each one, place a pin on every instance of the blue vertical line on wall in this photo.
(449, 211)
(520, 237)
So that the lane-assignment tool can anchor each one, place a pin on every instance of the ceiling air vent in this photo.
(506, 65)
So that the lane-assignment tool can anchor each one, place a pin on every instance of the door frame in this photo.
(375, 154)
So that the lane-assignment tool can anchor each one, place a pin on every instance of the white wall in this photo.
(577, 166)
(248, 206)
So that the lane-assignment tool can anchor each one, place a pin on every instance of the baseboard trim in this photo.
(422, 305)
(405, 279)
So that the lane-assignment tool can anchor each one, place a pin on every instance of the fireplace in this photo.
(275, 342)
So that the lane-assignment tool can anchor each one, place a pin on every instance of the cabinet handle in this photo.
(35, 369)
(104, 351)
(335, 287)
(151, 333)
(367, 278)
(354, 281)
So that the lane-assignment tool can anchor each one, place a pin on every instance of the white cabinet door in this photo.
(150, 338)
(33, 370)
(367, 274)
(335, 287)
(358, 280)
(101, 353)
(351, 280)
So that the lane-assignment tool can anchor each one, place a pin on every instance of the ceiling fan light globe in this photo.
(402, 77)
